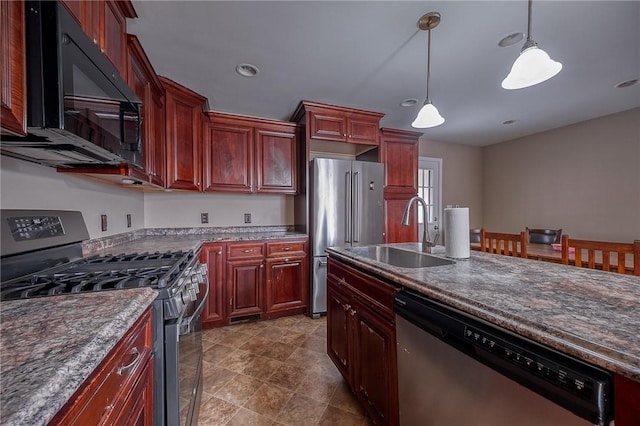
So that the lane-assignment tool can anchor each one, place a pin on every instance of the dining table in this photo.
(547, 253)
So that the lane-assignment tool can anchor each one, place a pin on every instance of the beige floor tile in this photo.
(216, 411)
(256, 344)
(318, 386)
(303, 358)
(268, 400)
(288, 376)
(216, 352)
(293, 338)
(301, 410)
(261, 367)
(239, 389)
(345, 400)
(234, 339)
(237, 360)
(333, 416)
(272, 333)
(314, 343)
(278, 351)
(246, 417)
(214, 377)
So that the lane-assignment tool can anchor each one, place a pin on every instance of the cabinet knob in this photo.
(261, 266)
(220, 253)
(353, 312)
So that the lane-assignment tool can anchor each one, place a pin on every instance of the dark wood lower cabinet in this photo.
(285, 283)
(361, 339)
(626, 394)
(213, 256)
(245, 287)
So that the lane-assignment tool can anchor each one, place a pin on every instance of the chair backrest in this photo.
(474, 235)
(601, 251)
(501, 243)
(544, 236)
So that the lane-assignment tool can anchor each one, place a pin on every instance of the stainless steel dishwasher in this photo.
(458, 370)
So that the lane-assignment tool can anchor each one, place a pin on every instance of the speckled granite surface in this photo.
(165, 239)
(591, 314)
(50, 345)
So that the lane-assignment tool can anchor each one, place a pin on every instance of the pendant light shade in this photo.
(428, 116)
(533, 66)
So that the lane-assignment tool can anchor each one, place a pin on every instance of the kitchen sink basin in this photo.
(398, 257)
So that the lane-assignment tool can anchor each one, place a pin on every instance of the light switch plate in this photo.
(204, 217)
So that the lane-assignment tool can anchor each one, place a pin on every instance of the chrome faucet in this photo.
(426, 239)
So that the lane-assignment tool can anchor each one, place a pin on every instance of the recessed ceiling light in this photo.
(627, 83)
(511, 39)
(409, 102)
(247, 70)
(507, 122)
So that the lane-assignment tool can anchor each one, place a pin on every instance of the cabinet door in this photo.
(114, 34)
(213, 256)
(244, 287)
(228, 158)
(375, 365)
(286, 281)
(276, 162)
(331, 127)
(338, 328)
(183, 120)
(156, 146)
(400, 159)
(395, 232)
(363, 130)
(13, 91)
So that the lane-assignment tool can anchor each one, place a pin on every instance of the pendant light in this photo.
(428, 116)
(533, 66)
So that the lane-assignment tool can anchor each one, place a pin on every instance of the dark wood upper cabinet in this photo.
(183, 115)
(104, 21)
(249, 155)
(339, 124)
(146, 84)
(13, 91)
(399, 153)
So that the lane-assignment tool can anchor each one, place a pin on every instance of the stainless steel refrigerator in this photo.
(346, 209)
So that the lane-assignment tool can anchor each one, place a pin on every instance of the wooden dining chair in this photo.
(543, 236)
(603, 249)
(501, 243)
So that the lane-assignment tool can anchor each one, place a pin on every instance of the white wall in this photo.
(461, 175)
(583, 178)
(26, 185)
(182, 209)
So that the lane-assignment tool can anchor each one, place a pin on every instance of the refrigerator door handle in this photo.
(322, 262)
(356, 207)
(347, 209)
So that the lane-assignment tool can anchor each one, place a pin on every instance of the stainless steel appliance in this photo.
(42, 256)
(456, 369)
(346, 209)
(80, 110)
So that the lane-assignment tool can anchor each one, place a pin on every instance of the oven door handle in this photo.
(185, 324)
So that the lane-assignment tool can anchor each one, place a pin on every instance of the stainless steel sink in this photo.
(398, 257)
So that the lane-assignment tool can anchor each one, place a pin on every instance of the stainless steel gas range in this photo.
(41, 256)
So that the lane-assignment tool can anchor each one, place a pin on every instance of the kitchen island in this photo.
(49, 346)
(588, 314)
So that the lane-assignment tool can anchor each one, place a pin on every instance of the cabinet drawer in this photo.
(245, 250)
(104, 392)
(369, 291)
(287, 248)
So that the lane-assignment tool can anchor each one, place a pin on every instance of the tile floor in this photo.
(274, 372)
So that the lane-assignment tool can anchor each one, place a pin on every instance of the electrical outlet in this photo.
(128, 220)
(247, 218)
(103, 222)
(204, 217)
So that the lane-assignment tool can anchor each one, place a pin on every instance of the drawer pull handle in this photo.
(286, 248)
(247, 251)
(138, 356)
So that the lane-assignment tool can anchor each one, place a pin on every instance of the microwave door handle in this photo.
(124, 108)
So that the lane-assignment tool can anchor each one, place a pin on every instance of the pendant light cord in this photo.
(427, 101)
(529, 21)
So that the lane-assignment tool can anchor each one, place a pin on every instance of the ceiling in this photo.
(371, 55)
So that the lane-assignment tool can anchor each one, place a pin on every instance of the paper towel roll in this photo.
(456, 232)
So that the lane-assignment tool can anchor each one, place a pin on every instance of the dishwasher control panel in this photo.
(544, 368)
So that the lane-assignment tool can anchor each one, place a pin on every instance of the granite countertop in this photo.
(50, 345)
(174, 239)
(590, 314)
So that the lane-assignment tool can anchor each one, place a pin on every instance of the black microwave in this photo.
(80, 112)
